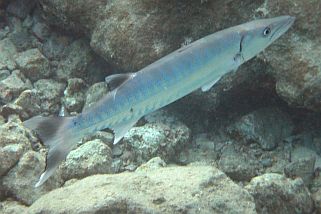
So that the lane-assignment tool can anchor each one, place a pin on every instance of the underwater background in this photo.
(251, 144)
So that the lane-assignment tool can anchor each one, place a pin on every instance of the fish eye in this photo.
(266, 31)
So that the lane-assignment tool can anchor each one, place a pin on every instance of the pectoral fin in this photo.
(209, 85)
(121, 129)
(115, 80)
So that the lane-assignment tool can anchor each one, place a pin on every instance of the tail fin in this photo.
(54, 133)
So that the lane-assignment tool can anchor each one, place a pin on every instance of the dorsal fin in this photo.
(115, 80)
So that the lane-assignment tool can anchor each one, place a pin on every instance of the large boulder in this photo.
(173, 189)
(130, 34)
(296, 57)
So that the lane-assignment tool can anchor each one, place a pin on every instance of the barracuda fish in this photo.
(198, 65)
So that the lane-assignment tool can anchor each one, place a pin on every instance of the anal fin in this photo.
(209, 85)
(121, 129)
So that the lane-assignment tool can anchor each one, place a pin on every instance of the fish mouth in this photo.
(283, 26)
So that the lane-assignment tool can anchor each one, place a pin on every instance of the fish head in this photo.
(259, 34)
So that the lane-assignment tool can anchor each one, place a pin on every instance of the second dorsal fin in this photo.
(115, 80)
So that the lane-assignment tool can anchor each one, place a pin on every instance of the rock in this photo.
(49, 93)
(303, 152)
(54, 45)
(152, 164)
(317, 201)
(21, 37)
(78, 58)
(303, 168)
(130, 33)
(74, 98)
(267, 127)
(9, 207)
(12, 86)
(4, 74)
(273, 193)
(105, 137)
(238, 165)
(202, 149)
(95, 93)
(156, 139)
(21, 8)
(19, 182)
(93, 157)
(190, 189)
(7, 54)
(9, 156)
(304, 163)
(296, 64)
(33, 64)
(40, 30)
(13, 132)
(4, 32)
(12, 109)
(29, 102)
(14, 142)
(116, 165)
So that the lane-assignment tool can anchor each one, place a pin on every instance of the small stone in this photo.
(116, 165)
(12, 109)
(7, 54)
(266, 162)
(4, 32)
(201, 149)
(159, 200)
(33, 64)
(21, 38)
(21, 8)
(152, 164)
(317, 200)
(9, 156)
(273, 193)
(74, 98)
(30, 102)
(105, 137)
(53, 47)
(131, 167)
(93, 157)
(13, 132)
(238, 166)
(4, 74)
(40, 30)
(267, 127)
(303, 168)
(117, 150)
(27, 22)
(95, 93)
(49, 93)
(12, 86)
(156, 139)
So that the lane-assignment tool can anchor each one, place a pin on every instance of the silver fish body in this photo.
(197, 65)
